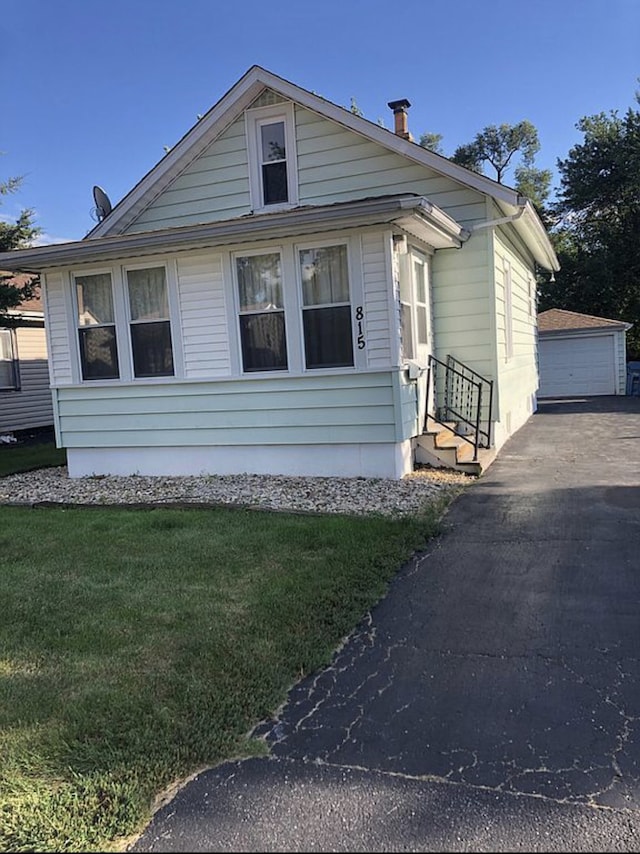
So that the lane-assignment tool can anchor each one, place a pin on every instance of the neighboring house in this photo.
(25, 396)
(273, 296)
(580, 354)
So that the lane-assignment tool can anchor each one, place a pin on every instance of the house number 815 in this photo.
(360, 318)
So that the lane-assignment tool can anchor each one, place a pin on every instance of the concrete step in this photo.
(440, 446)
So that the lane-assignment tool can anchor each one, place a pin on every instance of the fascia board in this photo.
(196, 140)
(535, 236)
(389, 139)
(584, 331)
(395, 209)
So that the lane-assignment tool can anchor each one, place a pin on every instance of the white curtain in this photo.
(148, 294)
(95, 301)
(325, 275)
(260, 282)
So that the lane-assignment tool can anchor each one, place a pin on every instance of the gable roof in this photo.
(241, 96)
(560, 320)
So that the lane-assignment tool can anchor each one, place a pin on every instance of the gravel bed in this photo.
(343, 495)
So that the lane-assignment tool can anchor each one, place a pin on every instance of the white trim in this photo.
(74, 275)
(252, 253)
(254, 120)
(319, 244)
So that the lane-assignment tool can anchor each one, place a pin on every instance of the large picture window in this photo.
(96, 327)
(326, 307)
(9, 378)
(150, 325)
(262, 322)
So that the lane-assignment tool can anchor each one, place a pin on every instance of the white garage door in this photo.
(582, 365)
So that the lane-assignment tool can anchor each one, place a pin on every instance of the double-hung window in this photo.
(273, 162)
(406, 319)
(150, 327)
(96, 327)
(420, 274)
(261, 312)
(9, 378)
(272, 157)
(326, 307)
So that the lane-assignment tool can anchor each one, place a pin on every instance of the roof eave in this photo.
(536, 238)
(428, 222)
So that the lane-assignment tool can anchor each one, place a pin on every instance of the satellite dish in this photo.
(103, 205)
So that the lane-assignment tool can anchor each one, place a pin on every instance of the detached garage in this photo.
(579, 354)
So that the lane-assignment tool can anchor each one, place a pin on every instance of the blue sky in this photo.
(93, 91)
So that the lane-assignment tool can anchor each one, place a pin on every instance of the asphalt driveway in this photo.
(491, 701)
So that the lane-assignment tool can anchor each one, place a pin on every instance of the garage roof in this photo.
(560, 320)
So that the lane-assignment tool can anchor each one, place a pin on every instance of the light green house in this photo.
(293, 290)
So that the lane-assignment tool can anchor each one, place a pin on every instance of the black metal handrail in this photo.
(458, 395)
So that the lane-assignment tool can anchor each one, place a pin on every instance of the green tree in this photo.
(16, 235)
(499, 147)
(597, 223)
(431, 141)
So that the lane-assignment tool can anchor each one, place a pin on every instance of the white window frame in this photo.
(254, 120)
(122, 320)
(508, 308)
(74, 275)
(10, 335)
(238, 312)
(419, 257)
(323, 244)
(151, 264)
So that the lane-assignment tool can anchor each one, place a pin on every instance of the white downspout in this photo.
(501, 221)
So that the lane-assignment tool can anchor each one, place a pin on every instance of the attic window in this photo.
(274, 163)
(271, 149)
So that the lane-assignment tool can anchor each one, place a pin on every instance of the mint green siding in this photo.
(334, 164)
(517, 377)
(356, 408)
(463, 315)
(214, 187)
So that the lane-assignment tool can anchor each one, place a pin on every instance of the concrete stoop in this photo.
(439, 446)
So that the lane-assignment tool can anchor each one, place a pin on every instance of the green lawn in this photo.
(17, 458)
(138, 646)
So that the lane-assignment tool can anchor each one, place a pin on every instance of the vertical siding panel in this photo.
(58, 330)
(203, 317)
(377, 286)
